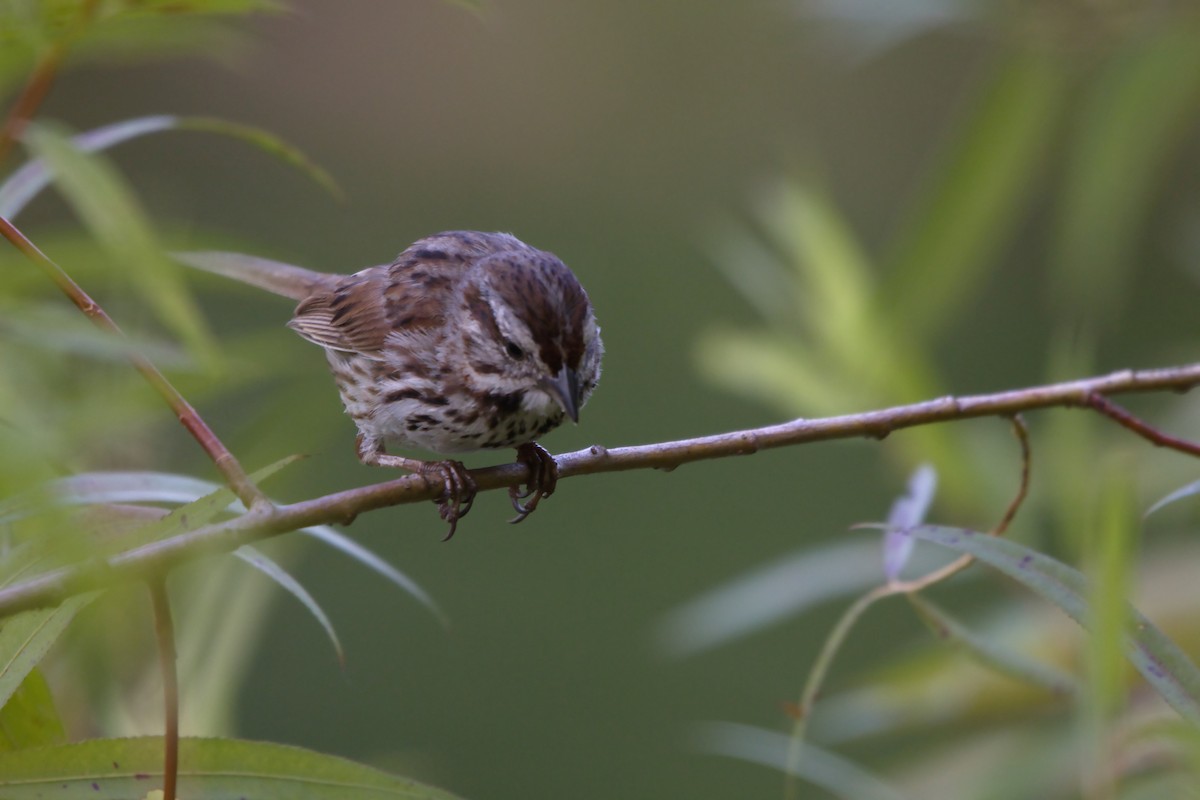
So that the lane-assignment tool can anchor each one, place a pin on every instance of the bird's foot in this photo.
(458, 490)
(543, 478)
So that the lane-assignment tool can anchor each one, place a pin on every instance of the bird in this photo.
(466, 341)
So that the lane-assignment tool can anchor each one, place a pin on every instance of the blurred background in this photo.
(779, 209)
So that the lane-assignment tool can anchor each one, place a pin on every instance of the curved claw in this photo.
(543, 479)
(458, 491)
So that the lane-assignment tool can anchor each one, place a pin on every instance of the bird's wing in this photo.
(349, 316)
(274, 276)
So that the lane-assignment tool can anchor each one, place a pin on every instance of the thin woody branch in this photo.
(262, 521)
(224, 460)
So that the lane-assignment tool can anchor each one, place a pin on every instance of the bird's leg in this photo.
(458, 488)
(543, 478)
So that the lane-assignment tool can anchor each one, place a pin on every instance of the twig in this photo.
(224, 460)
(1021, 431)
(1115, 412)
(164, 632)
(156, 558)
(910, 589)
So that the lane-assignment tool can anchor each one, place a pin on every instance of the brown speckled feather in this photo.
(360, 311)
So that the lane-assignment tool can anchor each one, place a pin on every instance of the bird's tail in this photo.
(274, 276)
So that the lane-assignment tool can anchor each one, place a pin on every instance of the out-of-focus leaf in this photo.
(941, 255)
(29, 718)
(25, 183)
(176, 7)
(204, 499)
(994, 653)
(100, 488)
(373, 562)
(267, 566)
(60, 329)
(210, 769)
(26, 637)
(866, 28)
(766, 596)
(837, 775)
(908, 510)
(1136, 112)
(755, 272)
(834, 271)
(1108, 613)
(194, 514)
(1160, 661)
(783, 374)
(110, 210)
(1182, 492)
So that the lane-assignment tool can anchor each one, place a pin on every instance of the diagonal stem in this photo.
(224, 460)
(1148, 432)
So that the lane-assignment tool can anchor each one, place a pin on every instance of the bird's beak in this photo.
(564, 388)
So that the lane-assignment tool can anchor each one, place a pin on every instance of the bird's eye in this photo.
(514, 350)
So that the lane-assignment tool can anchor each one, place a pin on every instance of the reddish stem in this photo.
(164, 631)
(229, 467)
(1147, 431)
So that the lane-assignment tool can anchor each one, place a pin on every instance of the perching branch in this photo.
(264, 520)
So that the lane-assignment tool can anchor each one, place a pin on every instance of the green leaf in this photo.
(195, 514)
(267, 566)
(176, 7)
(268, 142)
(1182, 492)
(783, 373)
(29, 718)
(942, 255)
(27, 182)
(58, 328)
(992, 653)
(110, 210)
(1160, 661)
(209, 769)
(1110, 551)
(835, 774)
(1137, 112)
(26, 637)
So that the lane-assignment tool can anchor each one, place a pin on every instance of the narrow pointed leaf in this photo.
(835, 774)
(110, 210)
(908, 511)
(1160, 661)
(29, 180)
(204, 500)
(1182, 492)
(1139, 108)
(942, 254)
(371, 561)
(29, 718)
(209, 769)
(26, 637)
(269, 567)
(994, 654)
(766, 596)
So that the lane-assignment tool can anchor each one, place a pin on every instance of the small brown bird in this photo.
(466, 341)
